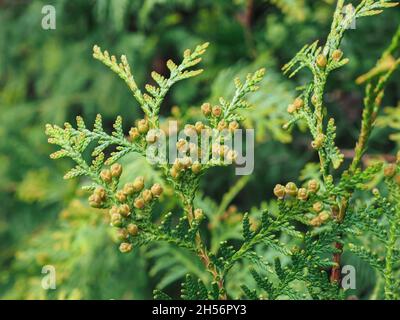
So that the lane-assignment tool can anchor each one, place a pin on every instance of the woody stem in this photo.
(203, 254)
(368, 118)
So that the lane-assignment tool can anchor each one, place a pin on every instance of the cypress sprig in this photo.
(130, 205)
(312, 222)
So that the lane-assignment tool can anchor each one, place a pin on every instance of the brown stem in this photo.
(335, 272)
(339, 214)
(213, 270)
(205, 259)
(359, 150)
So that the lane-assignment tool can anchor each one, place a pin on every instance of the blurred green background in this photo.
(49, 76)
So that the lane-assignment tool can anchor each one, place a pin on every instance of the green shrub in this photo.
(311, 226)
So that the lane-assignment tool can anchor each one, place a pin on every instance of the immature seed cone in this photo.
(128, 189)
(279, 191)
(124, 210)
(324, 216)
(182, 145)
(216, 111)
(314, 99)
(231, 155)
(198, 214)
(206, 109)
(190, 130)
(337, 55)
(138, 184)
(196, 167)
(121, 196)
(156, 190)
(116, 170)
(125, 247)
(134, 133)
(291, 189)
(139, 203)
(321, 61)
(233, 126)
(174, 173)
(178, 166)
(298, 103)
(313, 186)
(291, 108)
(101, 192)
(199, 126)
(95, 201)
(315, 222)
(133, 229)
(318, 206)
(116, 219)
(151, 137)
(222, 125)
(122, 234)
(105, 175)
(186, 162)
(302, 194)
(113, 210)
(390, 170)
(319, 141)
(147, 196)
(143, 126)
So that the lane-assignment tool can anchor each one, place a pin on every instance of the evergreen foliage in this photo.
(164, 215)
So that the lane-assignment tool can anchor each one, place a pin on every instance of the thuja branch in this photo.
(201, 249)
(130, 206)
(374, 93)
(312, 216)
(321, 61)
(150, 102)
